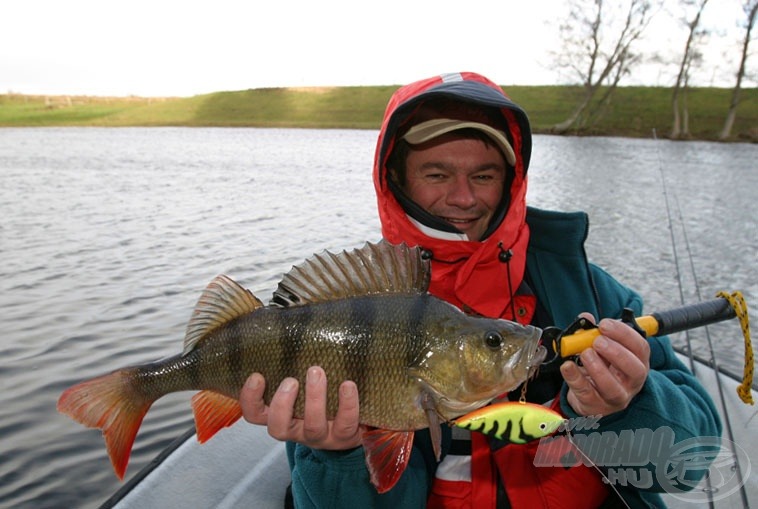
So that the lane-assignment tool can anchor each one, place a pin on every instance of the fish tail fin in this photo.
(110, 403)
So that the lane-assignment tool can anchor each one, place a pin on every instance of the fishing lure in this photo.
(513, 421)
(520, 422)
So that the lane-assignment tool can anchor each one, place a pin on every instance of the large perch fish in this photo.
(363, 315)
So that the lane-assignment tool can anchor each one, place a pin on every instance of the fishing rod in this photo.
(744, 390)
(580, 335)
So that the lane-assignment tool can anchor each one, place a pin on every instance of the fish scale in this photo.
(373, 351)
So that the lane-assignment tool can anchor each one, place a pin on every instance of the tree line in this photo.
(600, 45)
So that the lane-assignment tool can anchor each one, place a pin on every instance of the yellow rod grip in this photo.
(576, 343)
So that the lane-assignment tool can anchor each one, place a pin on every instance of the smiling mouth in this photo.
(458, 221)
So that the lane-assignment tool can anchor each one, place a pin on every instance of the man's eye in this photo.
(484, 179)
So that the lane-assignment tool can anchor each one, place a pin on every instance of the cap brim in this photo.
(425, 131)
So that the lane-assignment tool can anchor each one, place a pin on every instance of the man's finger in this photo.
(315, 426)
(626, 366)
(281, 410)
(626, 336)
(608, 386)
(346, 423)
(576, 380)
(582, 394)
(254, 409)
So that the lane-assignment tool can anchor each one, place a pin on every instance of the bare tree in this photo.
(749, 7)
(598, 51)
(680, 126)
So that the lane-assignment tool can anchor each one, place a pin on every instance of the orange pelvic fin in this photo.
(213, 412)
(387, 455)
(108, 402)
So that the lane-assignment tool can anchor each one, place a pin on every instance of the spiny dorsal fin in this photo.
(369, 270)
(222, 301)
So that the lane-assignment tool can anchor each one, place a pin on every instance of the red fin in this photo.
(387, 455)
(213, 411)
(108, 402)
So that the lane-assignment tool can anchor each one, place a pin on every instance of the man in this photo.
(450, 174)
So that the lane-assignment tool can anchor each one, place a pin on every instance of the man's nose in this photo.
(461, 194)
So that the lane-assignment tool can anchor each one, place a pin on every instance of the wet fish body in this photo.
(373, 340)
(363, 315)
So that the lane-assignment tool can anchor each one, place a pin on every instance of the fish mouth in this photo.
(538, 357)
(534, 349)
(531, 355)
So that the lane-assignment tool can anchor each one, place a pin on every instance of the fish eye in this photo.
(493, 339)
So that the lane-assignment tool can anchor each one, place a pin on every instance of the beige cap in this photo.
(431, 129)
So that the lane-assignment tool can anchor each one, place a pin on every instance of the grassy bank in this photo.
(635, 111)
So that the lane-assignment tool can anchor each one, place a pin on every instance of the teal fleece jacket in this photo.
(566, 284)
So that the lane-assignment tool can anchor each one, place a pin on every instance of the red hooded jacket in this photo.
(470, 274)
(481, 277)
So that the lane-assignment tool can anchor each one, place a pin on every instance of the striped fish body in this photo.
(371, 340)
(392, 346)
(363, 316)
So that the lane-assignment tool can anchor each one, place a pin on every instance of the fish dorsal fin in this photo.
(372, 269)
(222, 301)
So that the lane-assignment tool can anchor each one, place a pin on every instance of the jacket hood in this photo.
(477, 276)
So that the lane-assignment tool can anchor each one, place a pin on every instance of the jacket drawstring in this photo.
(505, 256)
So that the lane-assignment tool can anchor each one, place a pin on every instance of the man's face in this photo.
(460, 180)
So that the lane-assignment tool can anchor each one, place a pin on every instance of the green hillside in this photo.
(634, 111)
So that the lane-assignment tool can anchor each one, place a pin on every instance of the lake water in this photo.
(108, 236)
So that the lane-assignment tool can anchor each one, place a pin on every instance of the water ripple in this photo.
(109, 236)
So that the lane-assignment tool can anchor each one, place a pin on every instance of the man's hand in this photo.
(313, 430)
(613, 372)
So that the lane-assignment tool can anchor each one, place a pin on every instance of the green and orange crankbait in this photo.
(512, 421)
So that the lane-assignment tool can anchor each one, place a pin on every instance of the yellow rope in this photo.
(740, 309)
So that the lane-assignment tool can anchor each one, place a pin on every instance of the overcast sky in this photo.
(184, 48)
